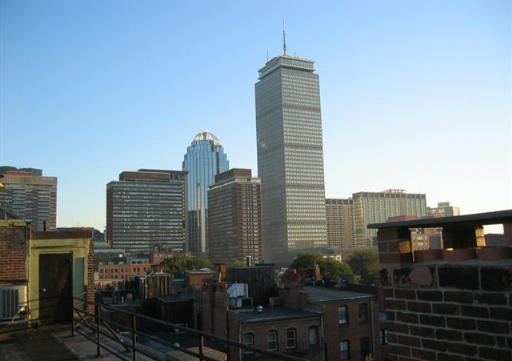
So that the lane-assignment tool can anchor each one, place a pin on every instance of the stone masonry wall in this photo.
(437, 311)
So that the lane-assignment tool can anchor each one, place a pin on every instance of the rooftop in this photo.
(476, 219)
(206, 135)
(274, 314)
(322, 294)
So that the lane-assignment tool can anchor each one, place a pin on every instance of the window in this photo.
(291, 338)
(343, 315)
(248, 339)
(313, 336)
(363, 312)
(272, 340)
(365, 347)
(345, 350)
(384, 336)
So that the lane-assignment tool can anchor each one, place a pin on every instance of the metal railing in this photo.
(90, 320)
(101, 327)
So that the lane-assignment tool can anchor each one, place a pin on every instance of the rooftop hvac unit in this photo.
(9, 302)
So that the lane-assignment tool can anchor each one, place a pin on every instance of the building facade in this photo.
(340, 222)
(290, 157)
(146, 209)
(205, 158)
(377, 207)
(30, 196)
(443, 209)
(234, 217)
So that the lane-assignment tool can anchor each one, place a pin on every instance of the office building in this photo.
(205, 158)
(290, 157)
(234, 217)
(443, 209)
(30, 196)
(377, 207)
(146, 209)
(340, 222)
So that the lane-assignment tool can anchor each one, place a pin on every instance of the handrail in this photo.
(99, 327)
(199, 333)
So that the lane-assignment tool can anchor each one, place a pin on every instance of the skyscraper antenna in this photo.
(284, 40)
(267, 55)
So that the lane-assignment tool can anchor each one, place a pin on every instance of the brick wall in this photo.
(90, 276)
(457, 311)
(13, 252)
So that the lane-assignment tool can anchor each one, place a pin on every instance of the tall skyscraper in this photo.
(340, 222)
(205, 158)
(290, 157)
(234, 217)
(377, 207)
(30, 196)
(146, 209)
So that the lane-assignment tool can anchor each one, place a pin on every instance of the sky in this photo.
(415, 95)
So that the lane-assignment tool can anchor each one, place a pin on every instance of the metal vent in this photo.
(9, 301)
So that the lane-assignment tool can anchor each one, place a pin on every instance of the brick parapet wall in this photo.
(90, 276)
(450, 311)
(457, 311)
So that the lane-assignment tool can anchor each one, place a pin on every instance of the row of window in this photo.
(291, 339)
(343, 318)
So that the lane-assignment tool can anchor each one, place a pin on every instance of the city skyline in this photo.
(413, 96)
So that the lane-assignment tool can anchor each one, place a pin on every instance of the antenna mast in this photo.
(284, 41)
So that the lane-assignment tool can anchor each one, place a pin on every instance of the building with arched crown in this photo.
(204, 159)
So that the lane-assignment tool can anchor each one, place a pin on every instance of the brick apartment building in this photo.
(315, 323)
(115, 273)
(279, 329)
(448, 304)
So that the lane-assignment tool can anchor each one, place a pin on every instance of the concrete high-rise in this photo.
(443, 209)
(30, 196)
(377, 207)
(205, 158)
(234, 217)
(290, 157)
(146, 209)
(340, 222)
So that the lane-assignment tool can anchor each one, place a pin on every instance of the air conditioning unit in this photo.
(11, 298)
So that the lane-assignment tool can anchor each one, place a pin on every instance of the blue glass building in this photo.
(204, 159)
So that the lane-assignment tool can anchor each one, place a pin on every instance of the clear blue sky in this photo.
(415, 94)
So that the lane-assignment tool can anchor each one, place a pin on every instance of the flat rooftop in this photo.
(322, 294)
(476, 219)
(274, 314)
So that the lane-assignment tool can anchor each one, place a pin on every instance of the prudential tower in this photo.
(204, 159)
(290, 157)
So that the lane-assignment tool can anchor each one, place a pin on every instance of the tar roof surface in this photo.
(274, 314)
(322, 294)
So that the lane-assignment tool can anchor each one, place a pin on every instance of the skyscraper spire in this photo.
(284, 41)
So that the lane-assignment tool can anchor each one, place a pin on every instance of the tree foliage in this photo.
(365, 263)
(330, 269)
(178, 264)
(306, 260)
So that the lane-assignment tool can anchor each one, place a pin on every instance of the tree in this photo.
(365, 263)
(330, 269)
(177, 265)
(306, 260)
